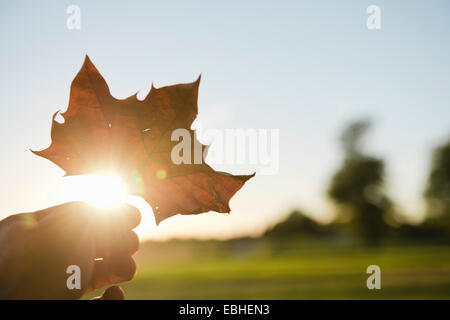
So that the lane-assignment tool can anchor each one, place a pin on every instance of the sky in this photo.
(306, 68)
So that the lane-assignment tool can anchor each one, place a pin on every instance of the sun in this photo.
(101, 190)
(106, 191)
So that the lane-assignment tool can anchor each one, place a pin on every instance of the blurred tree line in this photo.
(364, 208)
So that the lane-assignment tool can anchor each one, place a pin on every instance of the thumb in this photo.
(112, 293)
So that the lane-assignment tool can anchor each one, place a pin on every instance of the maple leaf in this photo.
(131, 137)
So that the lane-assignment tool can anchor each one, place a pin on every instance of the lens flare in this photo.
(101, 190)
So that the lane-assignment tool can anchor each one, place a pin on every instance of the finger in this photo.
(111, 271)
(112, 293)
(125, 215)
(111, 222)
(68, 208)
(59, 209)
(111, 244)
(39, 215)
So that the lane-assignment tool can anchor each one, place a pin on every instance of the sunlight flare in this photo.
(101, 190)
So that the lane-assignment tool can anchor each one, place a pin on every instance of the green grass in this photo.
(302, 269)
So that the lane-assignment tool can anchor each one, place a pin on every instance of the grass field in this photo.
(298, 269)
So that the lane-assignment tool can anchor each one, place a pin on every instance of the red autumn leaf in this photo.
(131, 137)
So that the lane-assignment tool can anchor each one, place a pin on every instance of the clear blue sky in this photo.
(306, 68)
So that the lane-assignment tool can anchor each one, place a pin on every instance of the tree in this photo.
(437, 192)
(357, 187)
(297, 224)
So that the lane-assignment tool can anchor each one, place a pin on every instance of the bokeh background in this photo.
(364, 120)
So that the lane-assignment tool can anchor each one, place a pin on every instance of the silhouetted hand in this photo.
(36, 250)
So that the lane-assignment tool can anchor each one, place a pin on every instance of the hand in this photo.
(37, 248)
